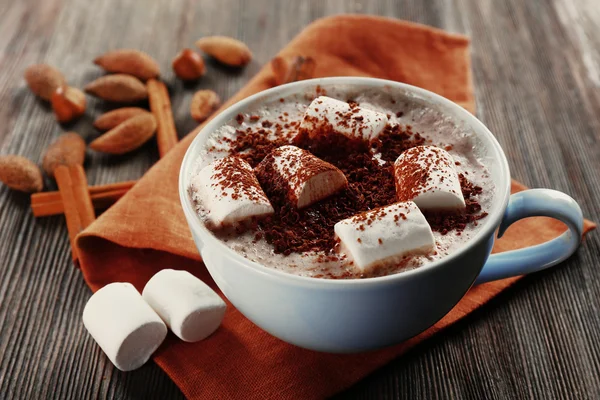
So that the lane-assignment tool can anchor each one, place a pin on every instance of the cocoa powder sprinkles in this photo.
(458, 221)
(235, 174)
(371, 184)
(291, 149)
(394, 140)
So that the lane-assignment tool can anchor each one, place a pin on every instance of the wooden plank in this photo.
(536, 69)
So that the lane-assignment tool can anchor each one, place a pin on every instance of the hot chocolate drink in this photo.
(343, 184)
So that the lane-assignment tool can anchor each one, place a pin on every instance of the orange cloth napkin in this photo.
(146, 230)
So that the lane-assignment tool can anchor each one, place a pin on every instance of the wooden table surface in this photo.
(536, 67)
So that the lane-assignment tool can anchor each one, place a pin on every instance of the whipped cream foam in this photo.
(279, 121)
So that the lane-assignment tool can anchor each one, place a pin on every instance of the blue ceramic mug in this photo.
(361, 314)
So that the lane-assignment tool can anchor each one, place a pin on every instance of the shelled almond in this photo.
(119, 88)
(113, 118)
(44, 79)
(227, 50)
(129, 61)
(21, 174)
(126, 136)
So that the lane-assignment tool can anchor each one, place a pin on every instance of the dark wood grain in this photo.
(536, 67)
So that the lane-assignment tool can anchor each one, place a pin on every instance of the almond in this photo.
(128, 61)
(127, 136)
(68, 149)
(119, 88)
(288, 70)
(43, 80)
(188, 65)
(113, 118)
(20, 174)
(225, 49)
(204, 103)
(68, 103)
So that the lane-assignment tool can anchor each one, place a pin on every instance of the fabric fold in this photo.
(146, 231)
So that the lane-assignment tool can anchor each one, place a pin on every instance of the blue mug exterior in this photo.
(536, 203)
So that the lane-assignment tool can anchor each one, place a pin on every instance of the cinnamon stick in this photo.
(107, 199)
(79, 212)
(50, 197)
(160, 105)
(100, 200)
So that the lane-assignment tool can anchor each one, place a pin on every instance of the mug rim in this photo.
(493, 218)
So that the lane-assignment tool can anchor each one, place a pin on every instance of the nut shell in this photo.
(188, 65)
(68, 103)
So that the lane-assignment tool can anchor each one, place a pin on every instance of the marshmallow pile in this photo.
(231, 194)
(129, 327)
(426, 179)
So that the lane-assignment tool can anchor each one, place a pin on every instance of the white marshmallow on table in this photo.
(304, 178)
(427, 175)
(383, 236)
(190, 308)
(357, 122)
(229, 191)
(124, 326)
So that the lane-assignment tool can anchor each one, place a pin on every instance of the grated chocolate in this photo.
(371, 185)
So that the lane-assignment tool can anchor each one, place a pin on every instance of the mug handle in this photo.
(535, 203)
